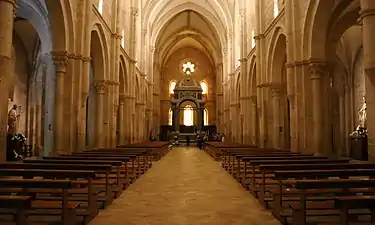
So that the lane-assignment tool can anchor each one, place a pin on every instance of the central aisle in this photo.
(185, 187)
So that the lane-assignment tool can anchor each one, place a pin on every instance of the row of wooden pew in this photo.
(213, 148)
(69, 189)
(302, 189)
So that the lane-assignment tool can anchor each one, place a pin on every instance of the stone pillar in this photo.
(254, 120)
(60, 60)
(276, 115)
(316, 73)
(7, 12)
(127, 119)
(121, 119)
(176, 118)
(100, 87)
(368, 28)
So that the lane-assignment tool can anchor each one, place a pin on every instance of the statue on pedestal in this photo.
(362, 115)
(12, 120)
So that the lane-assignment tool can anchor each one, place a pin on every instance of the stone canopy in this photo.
(188, 83)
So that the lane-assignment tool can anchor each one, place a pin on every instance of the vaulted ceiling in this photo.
(188, 29)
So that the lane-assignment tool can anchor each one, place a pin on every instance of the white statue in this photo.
(362, 114)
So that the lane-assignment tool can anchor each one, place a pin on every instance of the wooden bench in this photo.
(90, 193)
(345, 203)
(18, 203)
(117, 176)
(139, 161)
(62, 208)
(231, 157)
(300, 212)
(283, 194)
(133, 169)
(259, 186)
(106, 186)
(145, 154)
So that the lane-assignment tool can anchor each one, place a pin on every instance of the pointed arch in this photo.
(172, 85)
(188, 115)
(277, 48)
(317, 24)
(97, 56)
(205, 117)
(170, 117)
(100, 45)
(123, 76)
(251, 83)
(62, 26)
(204, 86)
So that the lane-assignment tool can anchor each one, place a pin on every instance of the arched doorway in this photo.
(280, 102)
(97, 88)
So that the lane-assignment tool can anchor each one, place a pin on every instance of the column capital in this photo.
(100, 86)
(122, 99)
(317, 70)
(134, 11)
(243, 60)
(253, 99)
(60, 60)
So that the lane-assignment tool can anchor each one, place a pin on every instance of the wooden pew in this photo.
(242, 172)
(118, 181)
(145, 155)
(300, 212)
(19, 203)
(141, 160)
(89, 192)
(214, 148)
(134, 169)
(234, 158)
(64, 208)
(345, 203)
(158, 148)
(108, 190)
(259, 186)
(283, 194)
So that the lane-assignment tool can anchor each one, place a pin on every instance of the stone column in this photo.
(121, 119)
(100, 87)
(254, 120)
(7, 12)
(316, 73)
(276, 115)
(368, 28)
(127, 119)
(60, 60)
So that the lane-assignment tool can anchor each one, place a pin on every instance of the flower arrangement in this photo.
(358, 133)
(16, 143)
(20, 138)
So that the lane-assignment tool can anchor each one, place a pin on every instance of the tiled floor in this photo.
(186, 187)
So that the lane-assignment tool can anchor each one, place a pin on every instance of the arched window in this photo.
(188, 116)
(204, 87)
(100, 6)
(123, 39)
(275, 8)
(205, 117)
(172, 85)
(252, 39)
(170, 117)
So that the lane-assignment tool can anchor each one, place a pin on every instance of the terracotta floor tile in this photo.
(186, 187)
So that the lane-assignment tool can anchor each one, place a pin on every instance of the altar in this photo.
(188, 93)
